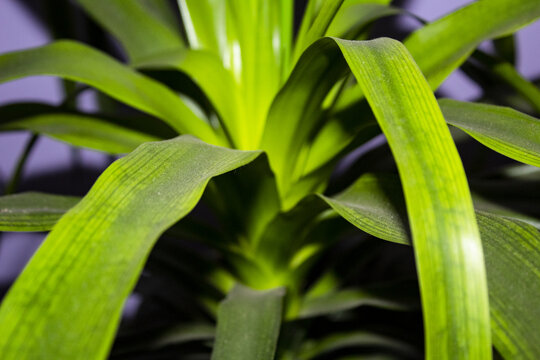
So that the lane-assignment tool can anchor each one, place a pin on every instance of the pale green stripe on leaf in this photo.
(33, 211)
(78, 62)
(248, 324)
(502, 129)
(67, 302)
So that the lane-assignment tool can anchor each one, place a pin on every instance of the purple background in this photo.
(18, 31)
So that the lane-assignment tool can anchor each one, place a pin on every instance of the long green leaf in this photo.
(353, 16)
(439, 204)
(82, 130)
(314, 27)
(208, 72)
(248, 324)
(32, 211)
(259, 60)
(502, 129)
(447, 244)
(74, 61)
(442, 46)
(388, 296)
(140, 30)
(68, 300)
(336, 342)
(511, 250)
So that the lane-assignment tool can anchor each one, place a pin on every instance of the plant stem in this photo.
(15, 179)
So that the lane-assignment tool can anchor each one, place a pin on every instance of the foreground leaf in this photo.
(511, 250)
(74, 61)
(455, 300)
(502, 129)
(248, 324)
(75, 285)
(32, 211)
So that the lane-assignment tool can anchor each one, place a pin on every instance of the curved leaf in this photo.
(443, 45)
(354, 15)
(74, 61)
(208, 72)
(140, 30)
(511, 250)
(248, 324)
(32, 211)
(392, 296)
(82, 130)
(455, 300)
(354, 339)
(75, 285)
(502, 129)
(259, 60)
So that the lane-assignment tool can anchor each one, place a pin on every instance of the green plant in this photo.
(279, 113)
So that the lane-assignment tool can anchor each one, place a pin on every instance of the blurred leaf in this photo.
(76, 284)
(140, 30)
(443, 45)
(502, 129)
(208, 72)
(391, 296)
(248, 324)
(355, 15)
(74, 61)
(32, 211)
(82, 130)
(355, 339)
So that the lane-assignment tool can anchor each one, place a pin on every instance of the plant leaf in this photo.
(443, 45)
(74, 61)
(354, 15)
(447, 244)
(82, 130)
(315, 25)
(392, 296)
(75, 285)
(208, 72)
(33, 211)
(335, 342)
(248, 324)
(455, 299)
(259, 60)
(141, 31)
(511, 250)
(502, 129)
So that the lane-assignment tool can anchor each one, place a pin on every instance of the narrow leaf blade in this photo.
(502, 129)
(248, 324)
